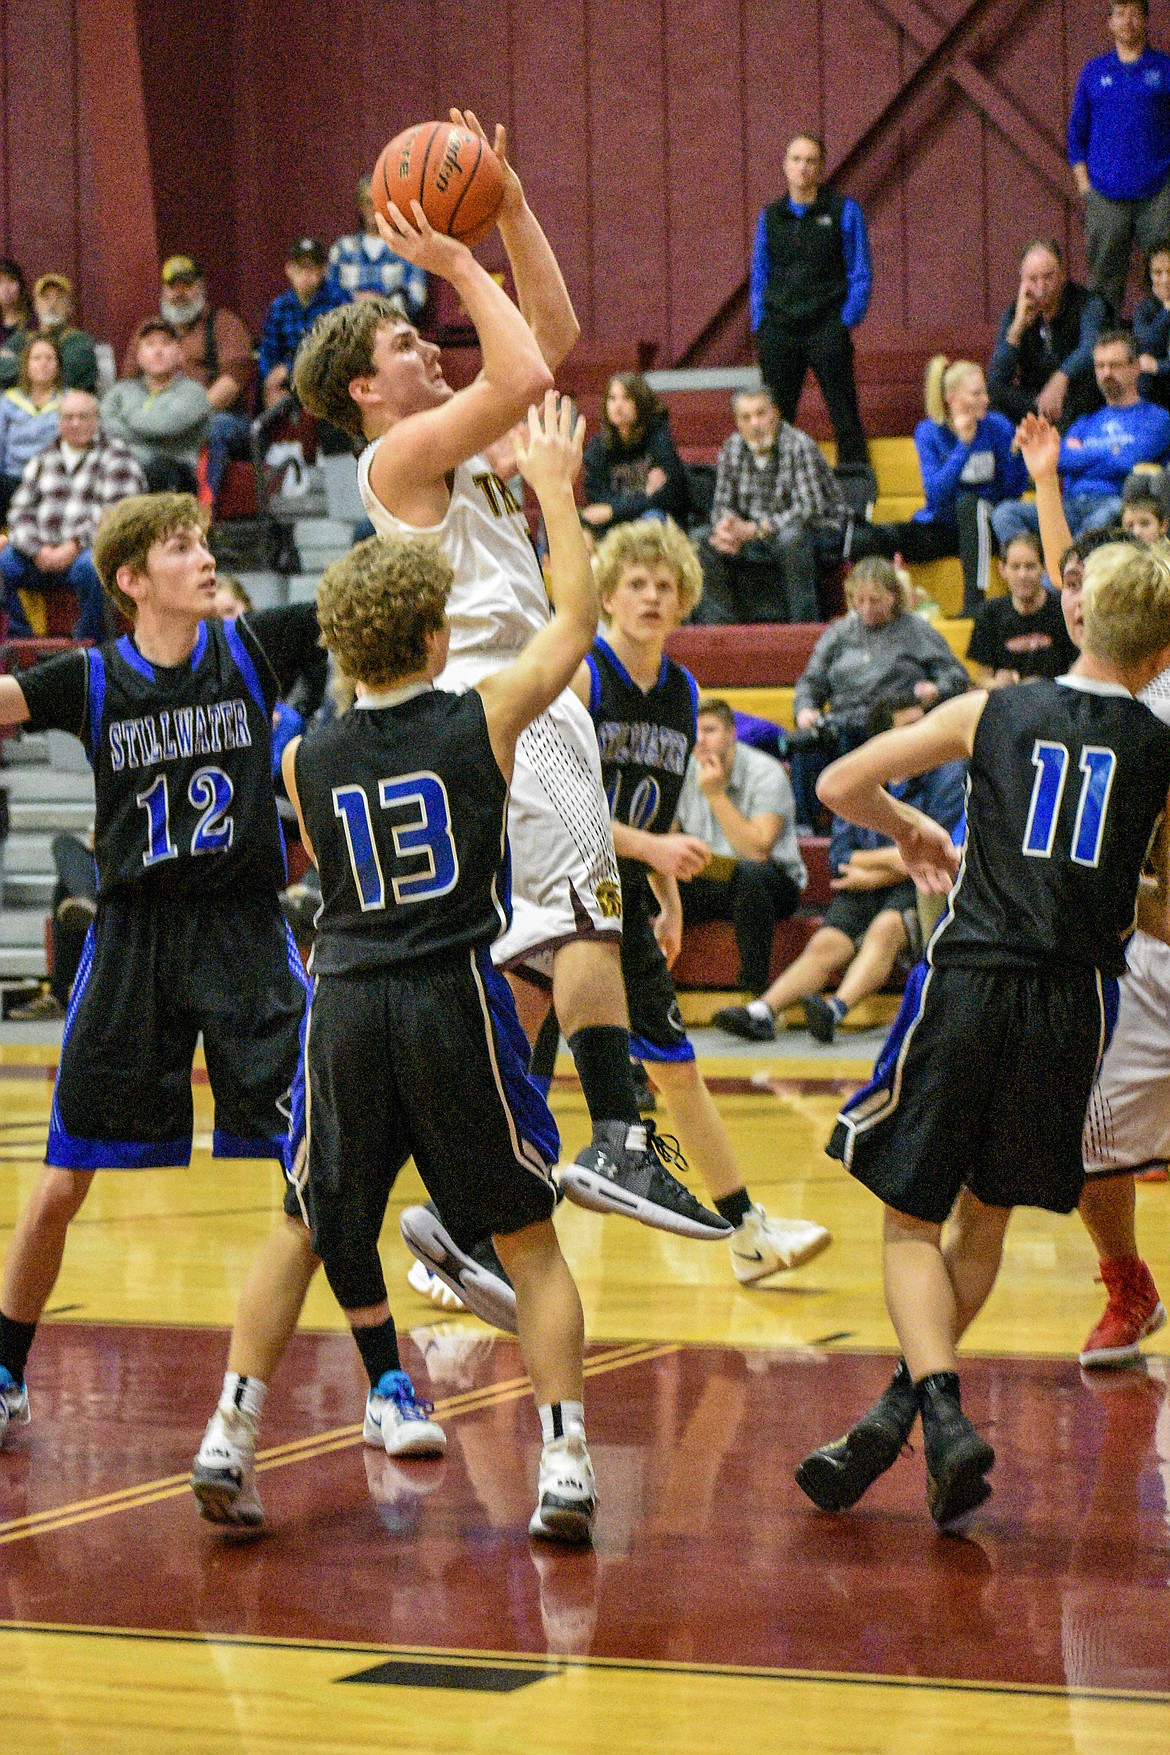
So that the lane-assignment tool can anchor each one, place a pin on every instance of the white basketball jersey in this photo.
(498, 600)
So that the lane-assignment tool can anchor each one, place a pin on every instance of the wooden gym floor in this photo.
(401, 1606)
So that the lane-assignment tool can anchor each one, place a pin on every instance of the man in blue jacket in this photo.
(810, 283)
(1099, 450)
(1119, 149)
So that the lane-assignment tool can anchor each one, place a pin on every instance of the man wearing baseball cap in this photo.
(217, 353)
(292, 314)
(53, 307)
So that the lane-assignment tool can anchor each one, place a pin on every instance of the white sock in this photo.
(561, 1419)
(759, 1008)
(245, 1393)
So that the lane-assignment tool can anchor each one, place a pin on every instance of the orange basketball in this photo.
(453, 174)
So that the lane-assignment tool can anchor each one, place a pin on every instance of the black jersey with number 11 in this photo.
(1068, 781)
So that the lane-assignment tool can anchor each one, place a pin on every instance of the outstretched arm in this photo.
(421, 449)
(854, 787)
(540, 286)
(549, 458)
(1038, 443)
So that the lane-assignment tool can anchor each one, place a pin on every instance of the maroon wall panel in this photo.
(649, 136)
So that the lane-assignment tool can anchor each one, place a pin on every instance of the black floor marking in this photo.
(61, 1309)
(845, 1334)
(484, 1678)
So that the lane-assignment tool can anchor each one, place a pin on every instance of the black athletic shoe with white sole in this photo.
(623, 1170)
(475, 1275)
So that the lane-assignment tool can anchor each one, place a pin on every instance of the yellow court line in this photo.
(304, 1449)
(546, 1663)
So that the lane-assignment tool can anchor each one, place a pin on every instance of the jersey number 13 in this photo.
(420, 834)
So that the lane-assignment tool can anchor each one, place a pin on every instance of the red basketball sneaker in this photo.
(1134, 1311)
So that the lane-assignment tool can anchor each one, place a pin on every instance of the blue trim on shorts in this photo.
(97, 699)
(530, 1112)
(645, 1050)
(244, 663)
(882, 1078)
(234, 1145)
(296, 1090)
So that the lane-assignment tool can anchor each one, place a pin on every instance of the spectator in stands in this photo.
(162, 415)
(29, 412)
(363, 265)
(51, 522)
(217, 353)
(879, 646)
(1143, 510)
(632, 469)
(1119, 150)
(73, 910)
(15, 305)
(738, 801)
(774, 496)
(968, 467)
(1022, 636)
(1099, 450)
(871, 925)
(53, 307)
(1151, 327)
(292, 314)
(810, 283)
(1042, 361)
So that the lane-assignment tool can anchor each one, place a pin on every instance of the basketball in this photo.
(453, 174)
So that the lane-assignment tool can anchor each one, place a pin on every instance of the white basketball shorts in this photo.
(1127, 1126)
(565, 882)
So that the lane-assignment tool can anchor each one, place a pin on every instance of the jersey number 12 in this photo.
(1051, 763)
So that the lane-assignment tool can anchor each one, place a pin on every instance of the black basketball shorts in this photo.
(657, 1031)
(424, 1060)
(853, 912)
(983, 1082)
(155, 974)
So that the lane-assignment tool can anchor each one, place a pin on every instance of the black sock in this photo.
(939, 1383)
(378, 1347)
(734, 1207)
(15, 1340)
(601, 1053)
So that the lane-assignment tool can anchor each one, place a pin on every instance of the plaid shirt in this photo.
(363, 264)
(288, 322)
(52, 506)
(792, 485)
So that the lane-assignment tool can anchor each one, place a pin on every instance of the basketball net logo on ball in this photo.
(452, 173)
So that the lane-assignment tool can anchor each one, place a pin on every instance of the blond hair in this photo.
(129, 530)
(377, 605)
(876, 570)
(339, 348)
(943, 376)
(644, 542)
(1126, 603)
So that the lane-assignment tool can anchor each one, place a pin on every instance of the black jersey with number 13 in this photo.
(1068, 781)
(406, 809)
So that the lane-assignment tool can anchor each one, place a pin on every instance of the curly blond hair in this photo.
(647, 541)
(129, 530)
(339, 348)
(377, 605)
(1127, 602)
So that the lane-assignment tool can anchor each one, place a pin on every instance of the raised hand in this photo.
(419, 242)
(1038, 443)
(513, 189)
(548, 452)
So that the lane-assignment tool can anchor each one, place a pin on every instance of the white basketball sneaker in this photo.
(423, 1281)
(566, 1494)
(223, 1477)
(761, 1246)
(398, 1422)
